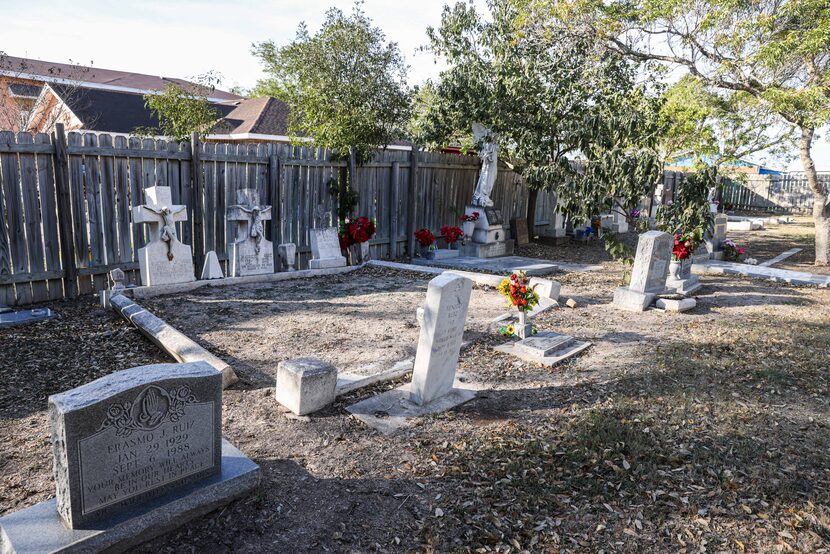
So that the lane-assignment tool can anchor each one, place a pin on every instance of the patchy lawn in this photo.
(705, 431)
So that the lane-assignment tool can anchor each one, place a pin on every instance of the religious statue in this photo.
(489, 154)
(256, 229)
(168, 226)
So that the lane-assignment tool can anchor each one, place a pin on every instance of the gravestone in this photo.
(325, 249)
(117, 278)
(648, 276)
(445, 311)
(251, 253)
(164, 260)
(546, 348)
(136, 453)
(431, 390)
(518, 228)
(288, 255)
(212, 269)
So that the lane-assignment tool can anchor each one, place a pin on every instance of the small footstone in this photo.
(305, 385)
(671, 305)
(546, 348)
(212, 269)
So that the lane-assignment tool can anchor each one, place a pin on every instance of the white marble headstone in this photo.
(445, 312)
(325, 249)
(251, 253)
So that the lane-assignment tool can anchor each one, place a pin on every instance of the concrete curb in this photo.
(169, 339)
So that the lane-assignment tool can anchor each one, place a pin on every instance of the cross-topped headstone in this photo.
(165, 260)
(322, 217)
(251, 254)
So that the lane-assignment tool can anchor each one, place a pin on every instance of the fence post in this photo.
(410, 204)
(65, 213)
(198, 198)
(393, 210)
(274, 187)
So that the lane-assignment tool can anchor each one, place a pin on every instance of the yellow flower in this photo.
(510, 330)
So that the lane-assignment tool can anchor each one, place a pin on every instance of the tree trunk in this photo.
(531, 212)
(821, 208)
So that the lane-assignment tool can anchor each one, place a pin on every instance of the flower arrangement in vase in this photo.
(684, 246)
(355, 236)
(468, 223)
(731, 251)
(518, 292)
(451, 235)
(426, 240)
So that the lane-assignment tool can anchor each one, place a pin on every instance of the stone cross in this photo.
(320, 215)
(249, 216)
(164, 260)
(161, 214)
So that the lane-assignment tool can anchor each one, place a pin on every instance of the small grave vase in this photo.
(468, 227)
(428, 252)
(359, 253)
(454, 245)
(674, 269)
(524, 329)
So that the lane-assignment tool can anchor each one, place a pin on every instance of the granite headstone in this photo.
(648, 276)
(325, 249)
(251, 253)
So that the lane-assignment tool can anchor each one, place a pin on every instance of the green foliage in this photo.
(551, 93)
(689, 211)
(183, 110)
(617, 249)
(345, 85)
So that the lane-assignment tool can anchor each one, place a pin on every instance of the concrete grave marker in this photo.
(546, 348)
(288, 255)
(518, 228)
(445, 311)
(325, 249)
(212, 269)
(136, 453)
(251, 253)
(648, 276)
(164, 260)
(433, 387)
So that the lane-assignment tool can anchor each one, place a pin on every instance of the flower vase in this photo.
(364, 252)
(468, 227)
(524, 329)
(674, 269)
(454, 245)
(428, 252)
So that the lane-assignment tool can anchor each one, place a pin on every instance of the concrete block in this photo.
(305, 385)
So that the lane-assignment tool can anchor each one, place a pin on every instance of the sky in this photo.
(186, 38)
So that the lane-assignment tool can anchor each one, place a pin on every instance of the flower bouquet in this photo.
(355, 236)
(731, 251)
(684, 245)
(468, 222)
(451, 235)
(426, 239)
(518, 292)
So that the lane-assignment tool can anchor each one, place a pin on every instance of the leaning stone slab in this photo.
(170, 339)
(648, 276)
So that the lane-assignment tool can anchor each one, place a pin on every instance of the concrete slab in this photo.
(40, 528)
(572, 349)
(9, 318)
(715, 267)
(347, 382)
(392, 410)
(502, 265)
(781, 257)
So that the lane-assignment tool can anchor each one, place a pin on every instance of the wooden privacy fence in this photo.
(788, 192)
(66, 201)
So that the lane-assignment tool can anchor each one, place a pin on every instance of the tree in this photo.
(550, 93)
(181, 111)
(345, 86)
(775, 51)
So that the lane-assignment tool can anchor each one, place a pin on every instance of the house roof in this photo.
(124, 112)
(264, 116)
(95, 77)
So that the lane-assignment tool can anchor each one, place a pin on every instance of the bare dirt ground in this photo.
(765, 244)
(697, 432)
